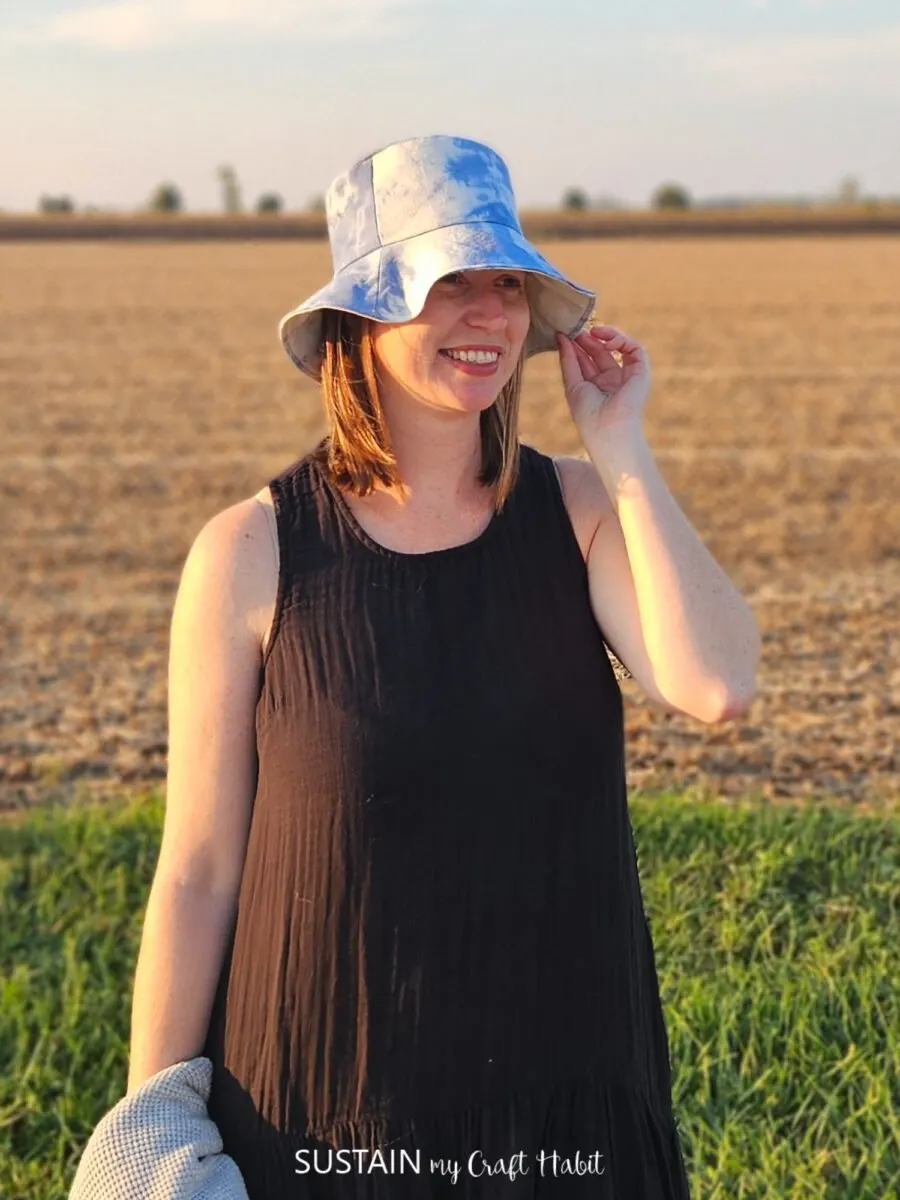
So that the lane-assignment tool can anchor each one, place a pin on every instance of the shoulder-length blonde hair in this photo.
(358, 449)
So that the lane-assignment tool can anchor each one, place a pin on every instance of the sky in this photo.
(103, 101)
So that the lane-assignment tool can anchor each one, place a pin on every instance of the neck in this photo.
(438, 457)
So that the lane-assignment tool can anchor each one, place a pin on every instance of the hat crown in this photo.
(415, 186)
(407, 215)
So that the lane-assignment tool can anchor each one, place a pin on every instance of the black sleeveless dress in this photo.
(441, 963)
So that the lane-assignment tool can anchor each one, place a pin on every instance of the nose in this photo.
(487, 308)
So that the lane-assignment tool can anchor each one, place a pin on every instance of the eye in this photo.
(506, 279)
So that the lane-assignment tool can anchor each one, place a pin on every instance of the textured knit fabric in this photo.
(440, 946)
(158, 1143)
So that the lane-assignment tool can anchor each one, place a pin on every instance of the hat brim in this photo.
(392, 284)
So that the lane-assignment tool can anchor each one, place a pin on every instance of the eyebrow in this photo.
(483, 271)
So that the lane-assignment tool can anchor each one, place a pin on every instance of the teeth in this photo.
(477, 356)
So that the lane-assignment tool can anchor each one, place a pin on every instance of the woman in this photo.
(397, 903)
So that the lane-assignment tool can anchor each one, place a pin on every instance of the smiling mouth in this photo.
(473, 368)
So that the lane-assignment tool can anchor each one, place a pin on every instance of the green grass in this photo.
(776, 933)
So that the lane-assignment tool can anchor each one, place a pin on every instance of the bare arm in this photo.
(214, 661)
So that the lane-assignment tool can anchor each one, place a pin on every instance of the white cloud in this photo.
(138, 24)
(771, 64)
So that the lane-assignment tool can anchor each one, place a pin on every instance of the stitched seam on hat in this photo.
(452, 225)
(399, 241)
(377, 231)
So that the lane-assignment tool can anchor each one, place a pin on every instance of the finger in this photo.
(580, 348)
(615, 341)
(614, 337)
(599, 352)
(604, 378)
(589, 367)
(605, 331)
(568, 362)
(626, 348)
(601, 358)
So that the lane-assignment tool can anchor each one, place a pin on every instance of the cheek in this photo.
(402, 352)
(390, 348)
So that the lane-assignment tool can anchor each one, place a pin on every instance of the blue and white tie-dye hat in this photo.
(412, 212)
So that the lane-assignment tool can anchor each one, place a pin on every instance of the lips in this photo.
(473, 368)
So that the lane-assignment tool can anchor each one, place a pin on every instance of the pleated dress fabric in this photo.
(441, 964)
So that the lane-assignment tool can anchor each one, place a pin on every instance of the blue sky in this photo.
(103, 100)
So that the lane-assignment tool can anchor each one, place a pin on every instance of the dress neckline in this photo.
(348, 517)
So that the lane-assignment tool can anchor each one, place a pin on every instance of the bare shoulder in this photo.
(264, 500)
(243, 538)
(586, 499)
(269, 566)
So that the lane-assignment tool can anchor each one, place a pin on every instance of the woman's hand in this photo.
(601, 393)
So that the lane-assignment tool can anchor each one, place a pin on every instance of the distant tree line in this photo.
(667, 195)
(167, 198)
(56, 204)
(671, 195)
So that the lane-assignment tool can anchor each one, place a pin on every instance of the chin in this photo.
(478, 403)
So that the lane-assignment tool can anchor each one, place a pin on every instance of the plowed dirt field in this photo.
(142, 389)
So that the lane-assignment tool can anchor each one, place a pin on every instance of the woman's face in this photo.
(467, 309)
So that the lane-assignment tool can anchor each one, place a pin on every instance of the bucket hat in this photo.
(408, 214)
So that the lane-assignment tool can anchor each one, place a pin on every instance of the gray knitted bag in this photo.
(159, 1143)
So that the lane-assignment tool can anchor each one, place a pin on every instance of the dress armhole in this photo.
(278, 508)
(560, 498)
(619, 669)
